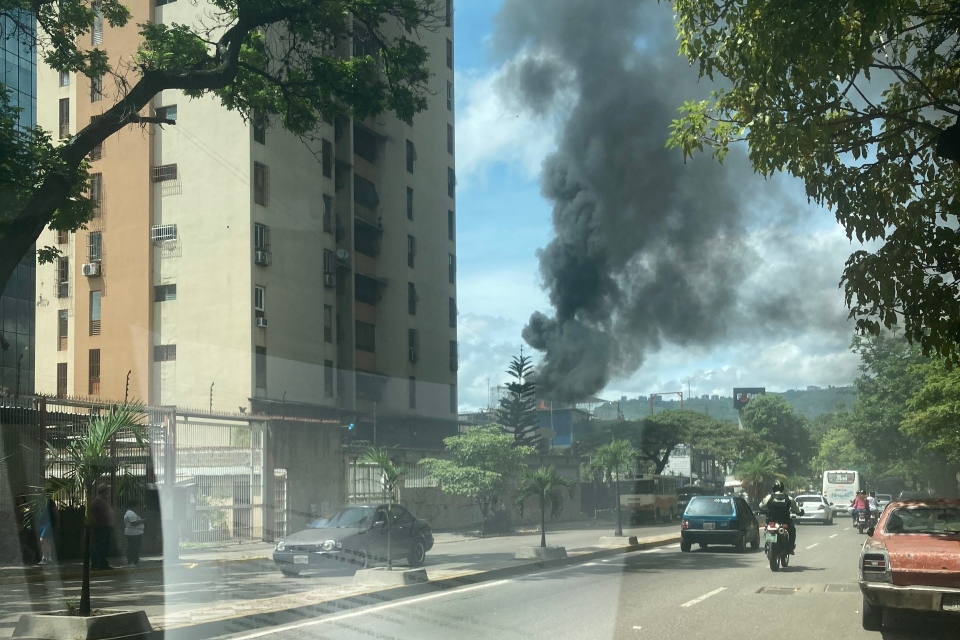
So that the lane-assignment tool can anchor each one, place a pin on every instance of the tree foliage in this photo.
(518, 411)
(392, 474)
(934, 411)
(758, 472)
(609, 460)
(287, 59)
(859, 100)
(547, 487)
(772, 418)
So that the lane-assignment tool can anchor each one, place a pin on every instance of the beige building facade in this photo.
(236, 267)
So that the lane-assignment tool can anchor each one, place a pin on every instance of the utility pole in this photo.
(211, 402)
(126, 393)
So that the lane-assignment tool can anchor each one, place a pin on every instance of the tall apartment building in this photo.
(18, 75)
(232, 266)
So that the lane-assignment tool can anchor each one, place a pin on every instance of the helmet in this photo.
(777, 486)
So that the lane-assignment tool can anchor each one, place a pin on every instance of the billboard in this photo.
(743, 395)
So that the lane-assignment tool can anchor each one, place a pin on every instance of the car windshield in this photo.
(924, 520)
(343, 518)
(707, 506)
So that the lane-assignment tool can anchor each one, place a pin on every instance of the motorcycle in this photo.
(866, 519)
(777, 546)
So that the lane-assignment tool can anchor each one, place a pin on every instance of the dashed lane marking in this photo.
(813, 545)
(835, 535)
(703, 597)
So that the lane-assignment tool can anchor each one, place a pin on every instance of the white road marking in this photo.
(637, 628)
(847, 529)
(366, 610)
(813, 545)
(703, 597)
(835, 535)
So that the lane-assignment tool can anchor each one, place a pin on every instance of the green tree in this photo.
(484, 461)
(774, 419)
(934, 411)
(758, 472)
(518, 411)
(610, 459)
(86, 461)
(393, 475)
(547, 487)
(286, 59)
(859, 101)
(839, 450)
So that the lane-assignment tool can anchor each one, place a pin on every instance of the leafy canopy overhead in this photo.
(859, 100)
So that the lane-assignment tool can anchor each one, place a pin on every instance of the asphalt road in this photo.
(660, 593)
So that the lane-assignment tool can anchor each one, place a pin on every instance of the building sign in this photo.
(744, 395)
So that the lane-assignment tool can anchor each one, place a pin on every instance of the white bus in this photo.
(839, 488)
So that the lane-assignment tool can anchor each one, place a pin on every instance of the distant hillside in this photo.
(811, 403)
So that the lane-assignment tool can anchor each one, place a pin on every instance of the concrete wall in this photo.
(315, 466)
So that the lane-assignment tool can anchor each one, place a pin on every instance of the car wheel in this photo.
(872, 617)
(755, 543)
(361, 559)
(290, 574)
(684, 546)
(417, 554)
(741, 544)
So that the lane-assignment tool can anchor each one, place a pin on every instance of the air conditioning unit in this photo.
(414, 355)
(262, 257)
(91, 269)
(262, 322)
(329, 281)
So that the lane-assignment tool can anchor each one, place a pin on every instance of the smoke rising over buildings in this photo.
(647, 249)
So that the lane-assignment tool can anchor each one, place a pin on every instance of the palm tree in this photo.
(758, 471)
(393, 473)
(87, 460)
(546, 485)
(611, 458)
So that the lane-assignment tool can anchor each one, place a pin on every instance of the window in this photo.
(366, 336)
(260, 367)
(328, 378)
(413, 345)
(96, 89)
(164, 353)
(453, 398)
(449, 138)
(366, 240)
(326, 155)
(411, 250)
(259, 124)
(328, 214)
(452, 268)
(327, 323)
(97, 152)
(365, 289)
(451, 183)
(451, 226)
(260, 183)
(63, 237)
(167, 113)
(411, 156)
(453, 313)
(94, 371)
(64, 117)
(95, 312)
(454, 359)
(63, 277)
(96, 193)
(61, 379)
(95, 247)
(449, 54)
(63, 327)
(365, 143)
(413, 392)
(97, 31)
(329, 261)
(165, 292)
(164, 172)
(259, 301)
(160, 3)
(448, 14)
(365, 193)
(363, 44)
(409, 203)
(449, 96)
(163, 232)
(412, 299)
(261, 236)
(64, 78)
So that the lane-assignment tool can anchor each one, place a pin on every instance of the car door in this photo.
(376, 537)
(403, 522)
(749, 524)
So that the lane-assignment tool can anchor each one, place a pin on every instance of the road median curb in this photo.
(31, 577)
(263, 619)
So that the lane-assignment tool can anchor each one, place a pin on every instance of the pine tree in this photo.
(518, 411)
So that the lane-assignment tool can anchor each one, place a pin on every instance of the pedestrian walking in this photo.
(133, 528)
(48, 522)
(102, 516)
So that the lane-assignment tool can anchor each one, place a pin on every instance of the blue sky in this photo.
(503, 220)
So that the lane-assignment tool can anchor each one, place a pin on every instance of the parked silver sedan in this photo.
(815, 509)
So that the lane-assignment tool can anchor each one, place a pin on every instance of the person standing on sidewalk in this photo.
(48, 524)
(133, 529)
(102, 516)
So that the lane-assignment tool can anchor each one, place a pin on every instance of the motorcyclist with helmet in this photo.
(780, 508)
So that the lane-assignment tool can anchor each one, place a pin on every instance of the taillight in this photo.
(874, 562)
(684, 524)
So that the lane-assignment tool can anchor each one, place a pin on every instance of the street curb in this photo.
(42, 576)
(251, 622)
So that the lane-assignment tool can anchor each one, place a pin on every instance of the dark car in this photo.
(719, 520)
(358, 535)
